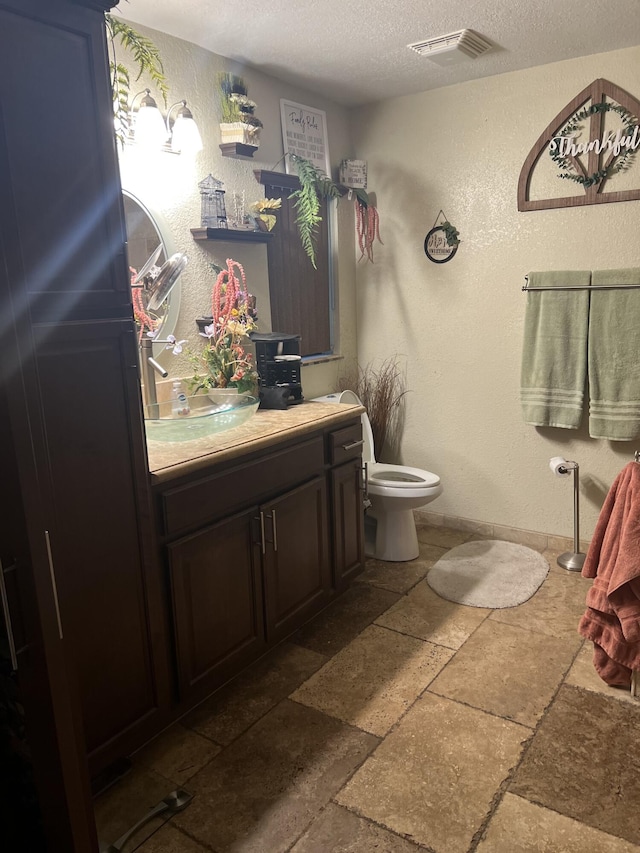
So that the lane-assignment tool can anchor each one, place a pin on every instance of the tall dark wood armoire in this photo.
(82, 618)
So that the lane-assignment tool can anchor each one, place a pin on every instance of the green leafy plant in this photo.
(451, 234)
(314, 186)
(618, 163)
(234, 102)
(146, 56)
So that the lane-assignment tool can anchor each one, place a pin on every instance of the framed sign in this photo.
(304, 132)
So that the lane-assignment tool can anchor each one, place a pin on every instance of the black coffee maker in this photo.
(278, 362)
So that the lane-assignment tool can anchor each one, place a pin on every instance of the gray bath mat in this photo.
(489, 573)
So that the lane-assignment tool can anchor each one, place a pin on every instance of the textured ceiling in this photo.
(355, 51)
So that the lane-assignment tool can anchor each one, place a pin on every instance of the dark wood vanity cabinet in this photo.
(255, 549)
(348, 522)
(216, 587)
(346, 482)
(297, 567)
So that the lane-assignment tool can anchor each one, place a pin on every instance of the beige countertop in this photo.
(168, 459)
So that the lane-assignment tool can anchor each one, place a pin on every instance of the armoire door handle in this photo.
(7, 620)
(54, 585)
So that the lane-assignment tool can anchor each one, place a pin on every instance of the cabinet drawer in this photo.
(345, 443)
(208, 498)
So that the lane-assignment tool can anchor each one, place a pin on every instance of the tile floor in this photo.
(398, 722)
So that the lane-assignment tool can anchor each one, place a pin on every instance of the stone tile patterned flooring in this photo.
(398, 722)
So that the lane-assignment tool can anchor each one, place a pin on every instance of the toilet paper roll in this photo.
(558, 465)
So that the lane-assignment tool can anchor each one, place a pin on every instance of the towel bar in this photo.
(527, 289)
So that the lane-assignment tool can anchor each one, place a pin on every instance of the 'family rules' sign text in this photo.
(304, 132)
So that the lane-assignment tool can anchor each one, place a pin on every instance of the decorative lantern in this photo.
(213, 211)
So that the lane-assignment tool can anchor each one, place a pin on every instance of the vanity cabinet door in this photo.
(297, 568)
(217, 603)
(348, 522)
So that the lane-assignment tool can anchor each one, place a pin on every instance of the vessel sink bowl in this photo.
(204, 418)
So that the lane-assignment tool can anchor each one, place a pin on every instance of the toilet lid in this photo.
(400, 476)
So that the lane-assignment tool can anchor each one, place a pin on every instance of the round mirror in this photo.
(146, 232)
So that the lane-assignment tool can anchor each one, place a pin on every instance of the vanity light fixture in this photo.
(183, 132)
(148, 125)
(148, 128)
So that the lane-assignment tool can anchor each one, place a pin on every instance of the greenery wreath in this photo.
(451, 234)
(575, 123)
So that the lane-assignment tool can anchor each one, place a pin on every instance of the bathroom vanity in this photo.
(259, 528)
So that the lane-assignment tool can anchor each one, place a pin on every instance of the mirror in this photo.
(146, 230)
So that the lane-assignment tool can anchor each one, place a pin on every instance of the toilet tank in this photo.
(367, 434)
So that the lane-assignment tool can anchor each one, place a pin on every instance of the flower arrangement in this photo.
(261, 207)
(224, 362)
(239, 124)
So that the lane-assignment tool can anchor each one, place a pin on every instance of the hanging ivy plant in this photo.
(146, 56)
(575, 124)
(451, 234)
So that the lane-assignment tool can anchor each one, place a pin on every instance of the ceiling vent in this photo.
(452, 48)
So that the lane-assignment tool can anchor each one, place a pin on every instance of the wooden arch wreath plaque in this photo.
(597, 162)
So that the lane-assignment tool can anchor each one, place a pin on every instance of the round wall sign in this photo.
(436, 247)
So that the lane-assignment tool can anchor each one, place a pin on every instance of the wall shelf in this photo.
(231, 235)
(238, 150)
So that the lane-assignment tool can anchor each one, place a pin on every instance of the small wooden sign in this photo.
(592, 161)
(436, 247)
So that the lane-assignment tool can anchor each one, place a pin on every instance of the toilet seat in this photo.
(400, 476)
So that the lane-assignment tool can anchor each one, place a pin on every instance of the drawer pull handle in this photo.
(352, 444)
(263, 547)
(7, 621)
(275, 530)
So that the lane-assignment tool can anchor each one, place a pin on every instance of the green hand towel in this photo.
(614, 357)
(554, 353)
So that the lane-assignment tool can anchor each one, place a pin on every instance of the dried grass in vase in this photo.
(381, 390)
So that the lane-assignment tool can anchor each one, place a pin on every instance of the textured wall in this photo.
(167, 183)
(458, 326)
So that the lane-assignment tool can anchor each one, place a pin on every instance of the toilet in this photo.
(394, 491)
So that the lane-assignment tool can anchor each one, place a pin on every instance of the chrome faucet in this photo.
(149, 367)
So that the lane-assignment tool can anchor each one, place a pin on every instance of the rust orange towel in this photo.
(612, 618)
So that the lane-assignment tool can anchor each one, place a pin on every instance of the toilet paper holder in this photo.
(572, 561)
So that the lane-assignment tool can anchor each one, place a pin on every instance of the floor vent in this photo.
(452, 48)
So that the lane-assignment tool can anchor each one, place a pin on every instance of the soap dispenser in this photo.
(179, 402)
